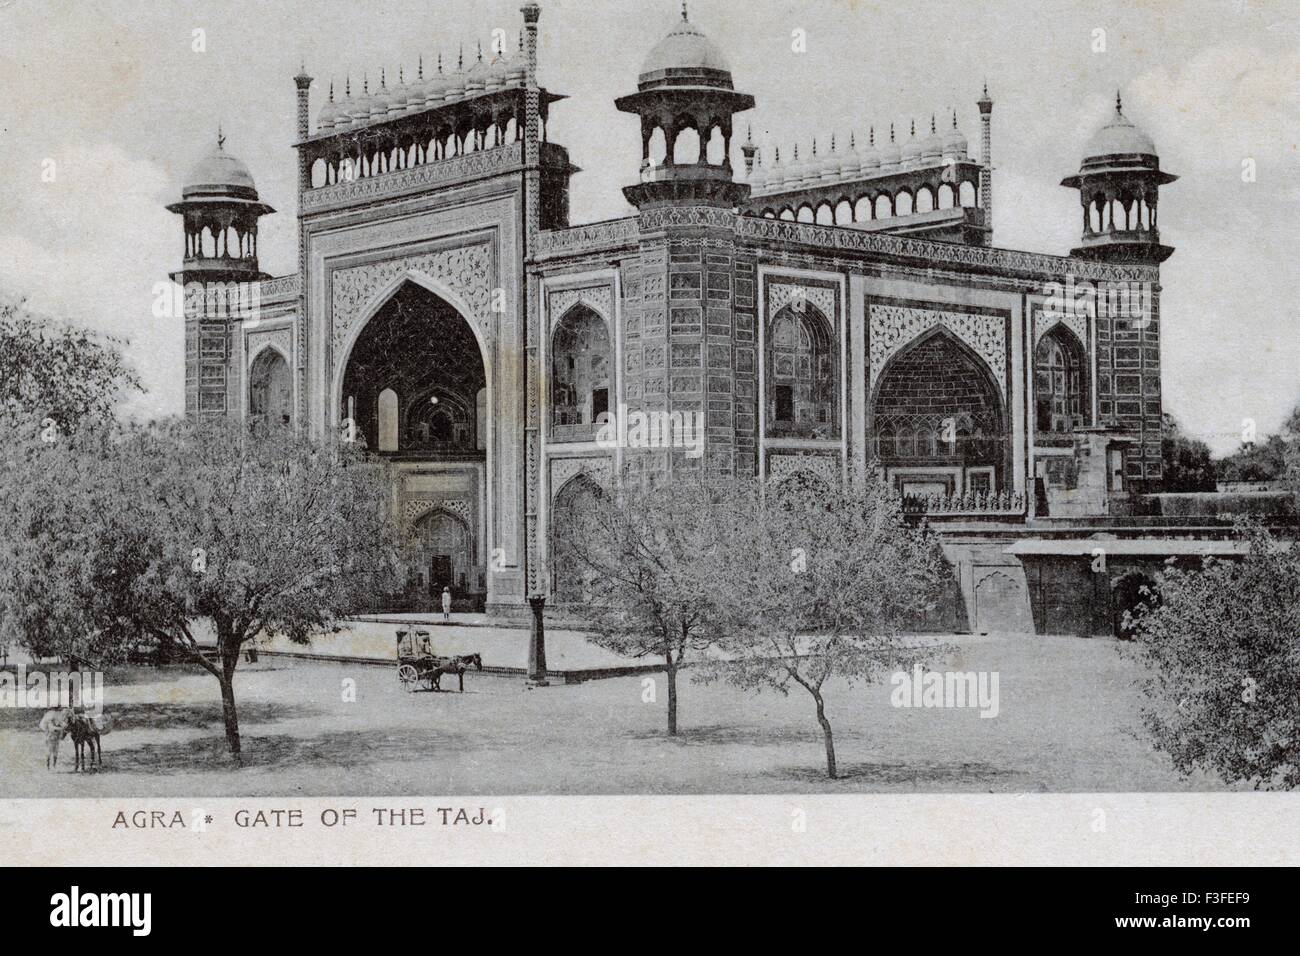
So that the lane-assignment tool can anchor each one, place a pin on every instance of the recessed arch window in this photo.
(1059, 386)
(802, 375)
(580, 371)
(270, 388)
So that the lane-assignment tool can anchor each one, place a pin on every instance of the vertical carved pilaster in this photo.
(535, 580)
(303, 82)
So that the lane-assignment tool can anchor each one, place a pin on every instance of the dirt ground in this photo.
(1066, 723)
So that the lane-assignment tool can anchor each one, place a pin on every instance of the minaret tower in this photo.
(684, 324)
(219, 209)
(986, 160)
(1119, 189)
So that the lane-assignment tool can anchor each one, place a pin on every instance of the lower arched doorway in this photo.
(1129, 592)
(571, 576)
(443, 555)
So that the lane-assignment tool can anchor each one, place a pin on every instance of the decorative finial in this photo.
(347, 88)
(872, 142)
(521, 41)
(832, 142)
(365, 82)
(932, 129)
(331, 91)
(685, 18)
(480, 51)
(1119, 104)
(777, 160)
(814, 145)
(891, 132)
(419, 74)
(221, 138)
(796, 152)
(853, 141)
(401, 75)
(383, 78)
(914, 129)
(460, 58)
(954, 118)
(440, 61)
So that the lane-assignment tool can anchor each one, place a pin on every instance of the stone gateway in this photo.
(815, 310)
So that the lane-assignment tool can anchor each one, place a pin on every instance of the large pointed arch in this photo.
(419, 343)
(378, 301)
(937, 409)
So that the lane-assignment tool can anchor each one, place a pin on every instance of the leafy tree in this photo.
(1221, 645)
(639, 551)
(1260, 461)
(172, 524)
(1188, 465)
(58, 371)
(823, 583)
(1291, 435)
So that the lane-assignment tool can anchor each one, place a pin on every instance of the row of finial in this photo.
(349, 112)
(834, 165)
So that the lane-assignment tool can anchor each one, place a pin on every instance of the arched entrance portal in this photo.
(937, 420)
(444, 548)
(413, 389)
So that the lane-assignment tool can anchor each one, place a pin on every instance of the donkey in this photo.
(457, 666)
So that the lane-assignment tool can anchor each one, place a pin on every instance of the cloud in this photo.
(83, 247)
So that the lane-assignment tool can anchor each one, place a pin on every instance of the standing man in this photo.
(446, 605)
(53, 725)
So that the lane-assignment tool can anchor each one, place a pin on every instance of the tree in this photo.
(1188, 465)
(1221, 648)
(824, 584)
(640, 553)
(57, 371)
(1291, 436)
(171, 524)
(1264, 461)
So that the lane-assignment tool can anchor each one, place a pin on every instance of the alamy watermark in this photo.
(948, 689)
(51, 690)
(652, 429)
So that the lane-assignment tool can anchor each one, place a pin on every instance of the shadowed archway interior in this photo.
(413, 381)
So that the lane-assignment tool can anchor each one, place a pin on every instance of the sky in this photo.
(107, 105)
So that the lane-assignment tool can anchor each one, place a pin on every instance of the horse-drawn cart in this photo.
(418, 666)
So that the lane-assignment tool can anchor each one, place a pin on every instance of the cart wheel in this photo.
(408, 677)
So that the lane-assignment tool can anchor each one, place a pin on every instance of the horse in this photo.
(457, 666)
(86, 731)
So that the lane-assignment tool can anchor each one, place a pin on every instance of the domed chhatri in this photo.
(685, 57)
(219, 176)
(1119, 184)
(685, 86)
(1119, 137)
(220, 208)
